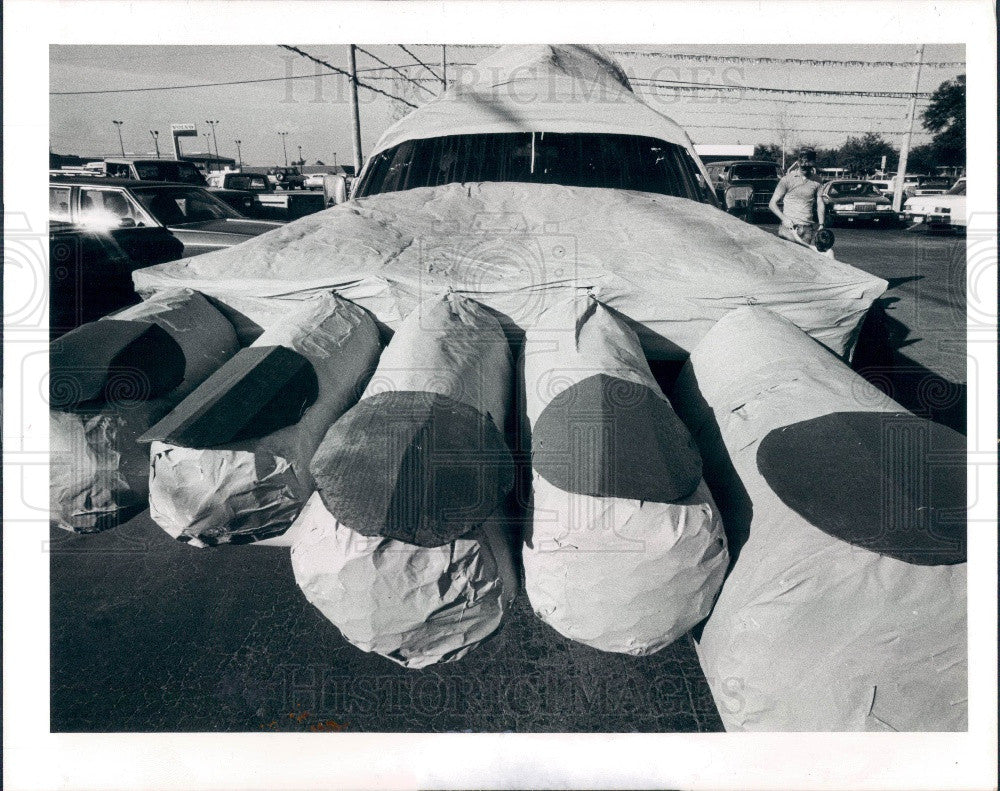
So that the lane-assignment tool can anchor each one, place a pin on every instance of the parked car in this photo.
(939, 212)
(153, 170)
(314, 181)
(198, 219)
(853, 200)
(263, 201)
(90, 269)
(286, 178)
(744, 187)
(931, 186)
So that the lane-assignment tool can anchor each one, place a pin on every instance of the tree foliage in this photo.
(945, 118)
(863, 155)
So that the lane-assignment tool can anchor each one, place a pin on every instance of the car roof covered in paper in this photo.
(562, 88)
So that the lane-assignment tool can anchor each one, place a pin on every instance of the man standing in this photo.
(802, 212)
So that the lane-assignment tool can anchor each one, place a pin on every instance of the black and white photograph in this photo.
(465, 408)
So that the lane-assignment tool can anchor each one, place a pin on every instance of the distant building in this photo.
(713, 152)
(209, 162)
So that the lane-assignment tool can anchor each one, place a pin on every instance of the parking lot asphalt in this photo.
(148, 634)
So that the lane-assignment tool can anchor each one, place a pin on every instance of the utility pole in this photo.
(239, 152)
(904, 154)
(214, 140)
(302, 162)
(355, 113)
(444, 67)
(156, 140)
(284, 148)
(118, 126)
(335, 159)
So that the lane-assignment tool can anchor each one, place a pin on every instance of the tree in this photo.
(320, 162)
(945, 118)
(863, 155)
(770, 151)
(923, 159)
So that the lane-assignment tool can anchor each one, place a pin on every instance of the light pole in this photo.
(239, 152)
(284, 148)
(208, 151)
(301, 161)
(118, 126)
(156, 140)
(335, 159)
(214, 140)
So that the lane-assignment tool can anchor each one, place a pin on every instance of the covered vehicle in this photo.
(854, 200)
(538, 174)
(939, 212)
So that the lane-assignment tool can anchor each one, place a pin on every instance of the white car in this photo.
(314, 181)
(938, 211)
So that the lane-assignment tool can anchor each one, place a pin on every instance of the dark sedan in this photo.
(858, 201)
(198, 219)
(90, 269)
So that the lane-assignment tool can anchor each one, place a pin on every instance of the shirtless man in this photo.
(802, 212)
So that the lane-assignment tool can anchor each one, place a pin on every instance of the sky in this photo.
(316, 114)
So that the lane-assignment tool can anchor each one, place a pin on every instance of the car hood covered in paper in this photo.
(670, 265)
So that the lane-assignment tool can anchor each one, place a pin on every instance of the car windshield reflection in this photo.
(173, 206)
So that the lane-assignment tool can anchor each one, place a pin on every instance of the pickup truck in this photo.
(267, 202)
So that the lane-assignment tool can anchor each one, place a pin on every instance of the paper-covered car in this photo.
(444, 382)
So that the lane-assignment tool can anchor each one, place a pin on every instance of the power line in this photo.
(943, 64)
(434, 73)
(689, 85)
(401, 74)
(216, 84)
(346, 74)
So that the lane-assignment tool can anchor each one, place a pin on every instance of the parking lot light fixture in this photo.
(284, 147)
(121, 143)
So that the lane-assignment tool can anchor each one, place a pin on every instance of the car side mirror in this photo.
(126, 222)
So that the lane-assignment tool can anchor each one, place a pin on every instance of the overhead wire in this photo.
(393, 68)
(438, 78)
(358, 82)
(220, 84)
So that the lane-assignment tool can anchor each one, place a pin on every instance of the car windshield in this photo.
(754, 170)
(958, 189)
(573, 160)
(852, 189)
(935, 183)
(180, 205)
(167, 170)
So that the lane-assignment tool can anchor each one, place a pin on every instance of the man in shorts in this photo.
(802, 212)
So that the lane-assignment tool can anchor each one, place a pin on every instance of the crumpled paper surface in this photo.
(99, 472)
(414, 605)
(809, 632)
(623, 575)
(617, 574)
(253, 490)
(670, 265)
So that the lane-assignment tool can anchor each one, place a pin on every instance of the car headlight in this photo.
(846, 207)
(883, 207)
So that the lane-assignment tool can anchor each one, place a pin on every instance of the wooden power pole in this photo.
(355, 113)
(904, 152)
(444, 67)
